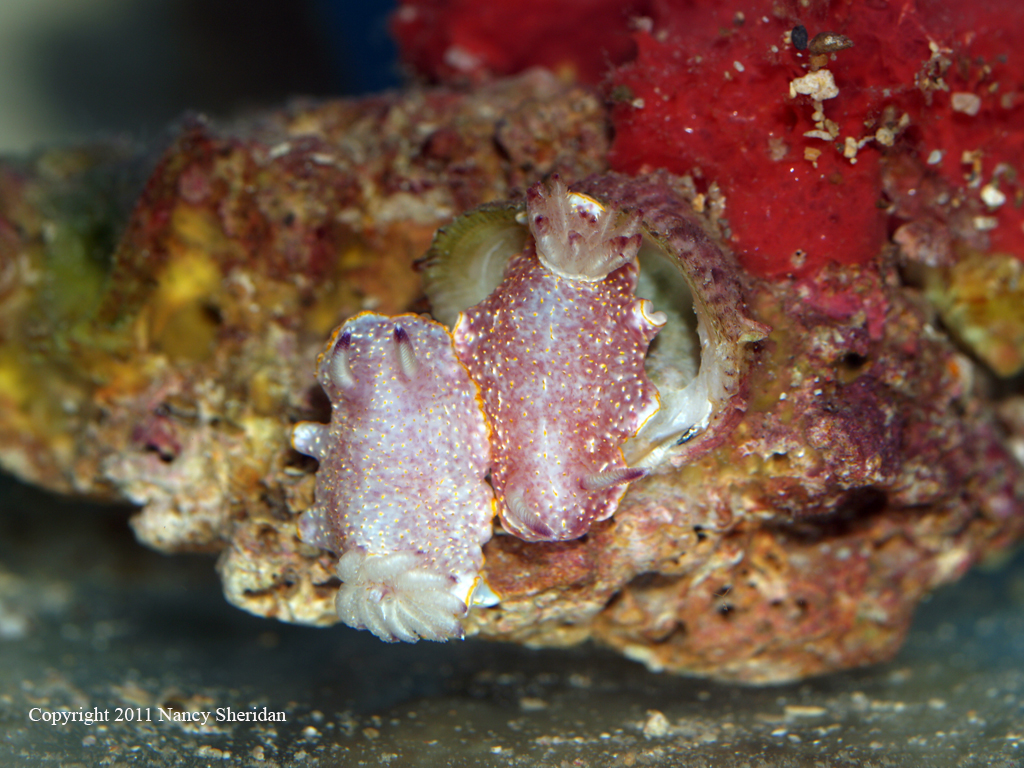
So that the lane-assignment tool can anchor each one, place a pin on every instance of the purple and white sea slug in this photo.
(400, 492)
(558, 353)
(701, 358)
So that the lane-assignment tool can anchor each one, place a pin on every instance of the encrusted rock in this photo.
(852, 461)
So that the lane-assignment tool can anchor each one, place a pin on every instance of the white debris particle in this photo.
(850, 148)
(213, 752)
(578, 680)
(656, 725)
(777, 148)
(967, 103)
(991, 196)
(637, 103)
(985, 223)
(812, 154)
(643, 24)
(461, 59)
(532, 704)
(803, 710)
(13, 625)
(885, 136)
(816, 134)
(970, 157)
(279, 150)
(935, 157)
(819, 85)
(936, 703)
(737, 66)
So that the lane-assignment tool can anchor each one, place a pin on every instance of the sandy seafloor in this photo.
(90, 620)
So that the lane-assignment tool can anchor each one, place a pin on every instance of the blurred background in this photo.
(82, 69)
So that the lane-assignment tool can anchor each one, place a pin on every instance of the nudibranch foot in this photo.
(401, 492)
(398, 596)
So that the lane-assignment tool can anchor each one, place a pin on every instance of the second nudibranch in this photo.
(400, 493)
(557, 351)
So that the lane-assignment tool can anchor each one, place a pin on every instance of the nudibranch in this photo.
(700, 360)
(401, 491)
(558, 353)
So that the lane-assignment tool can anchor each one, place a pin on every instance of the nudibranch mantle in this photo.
(558, 353)
(401, 491)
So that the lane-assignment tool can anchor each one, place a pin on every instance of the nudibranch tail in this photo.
(398, 596)
(401, 492)
(578, 238)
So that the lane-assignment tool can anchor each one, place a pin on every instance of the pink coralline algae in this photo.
(558, 351)
(400, 491)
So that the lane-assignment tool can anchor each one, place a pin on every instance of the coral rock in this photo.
(824, 455)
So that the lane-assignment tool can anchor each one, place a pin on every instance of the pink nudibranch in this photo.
(558, 353)
(400, 492)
